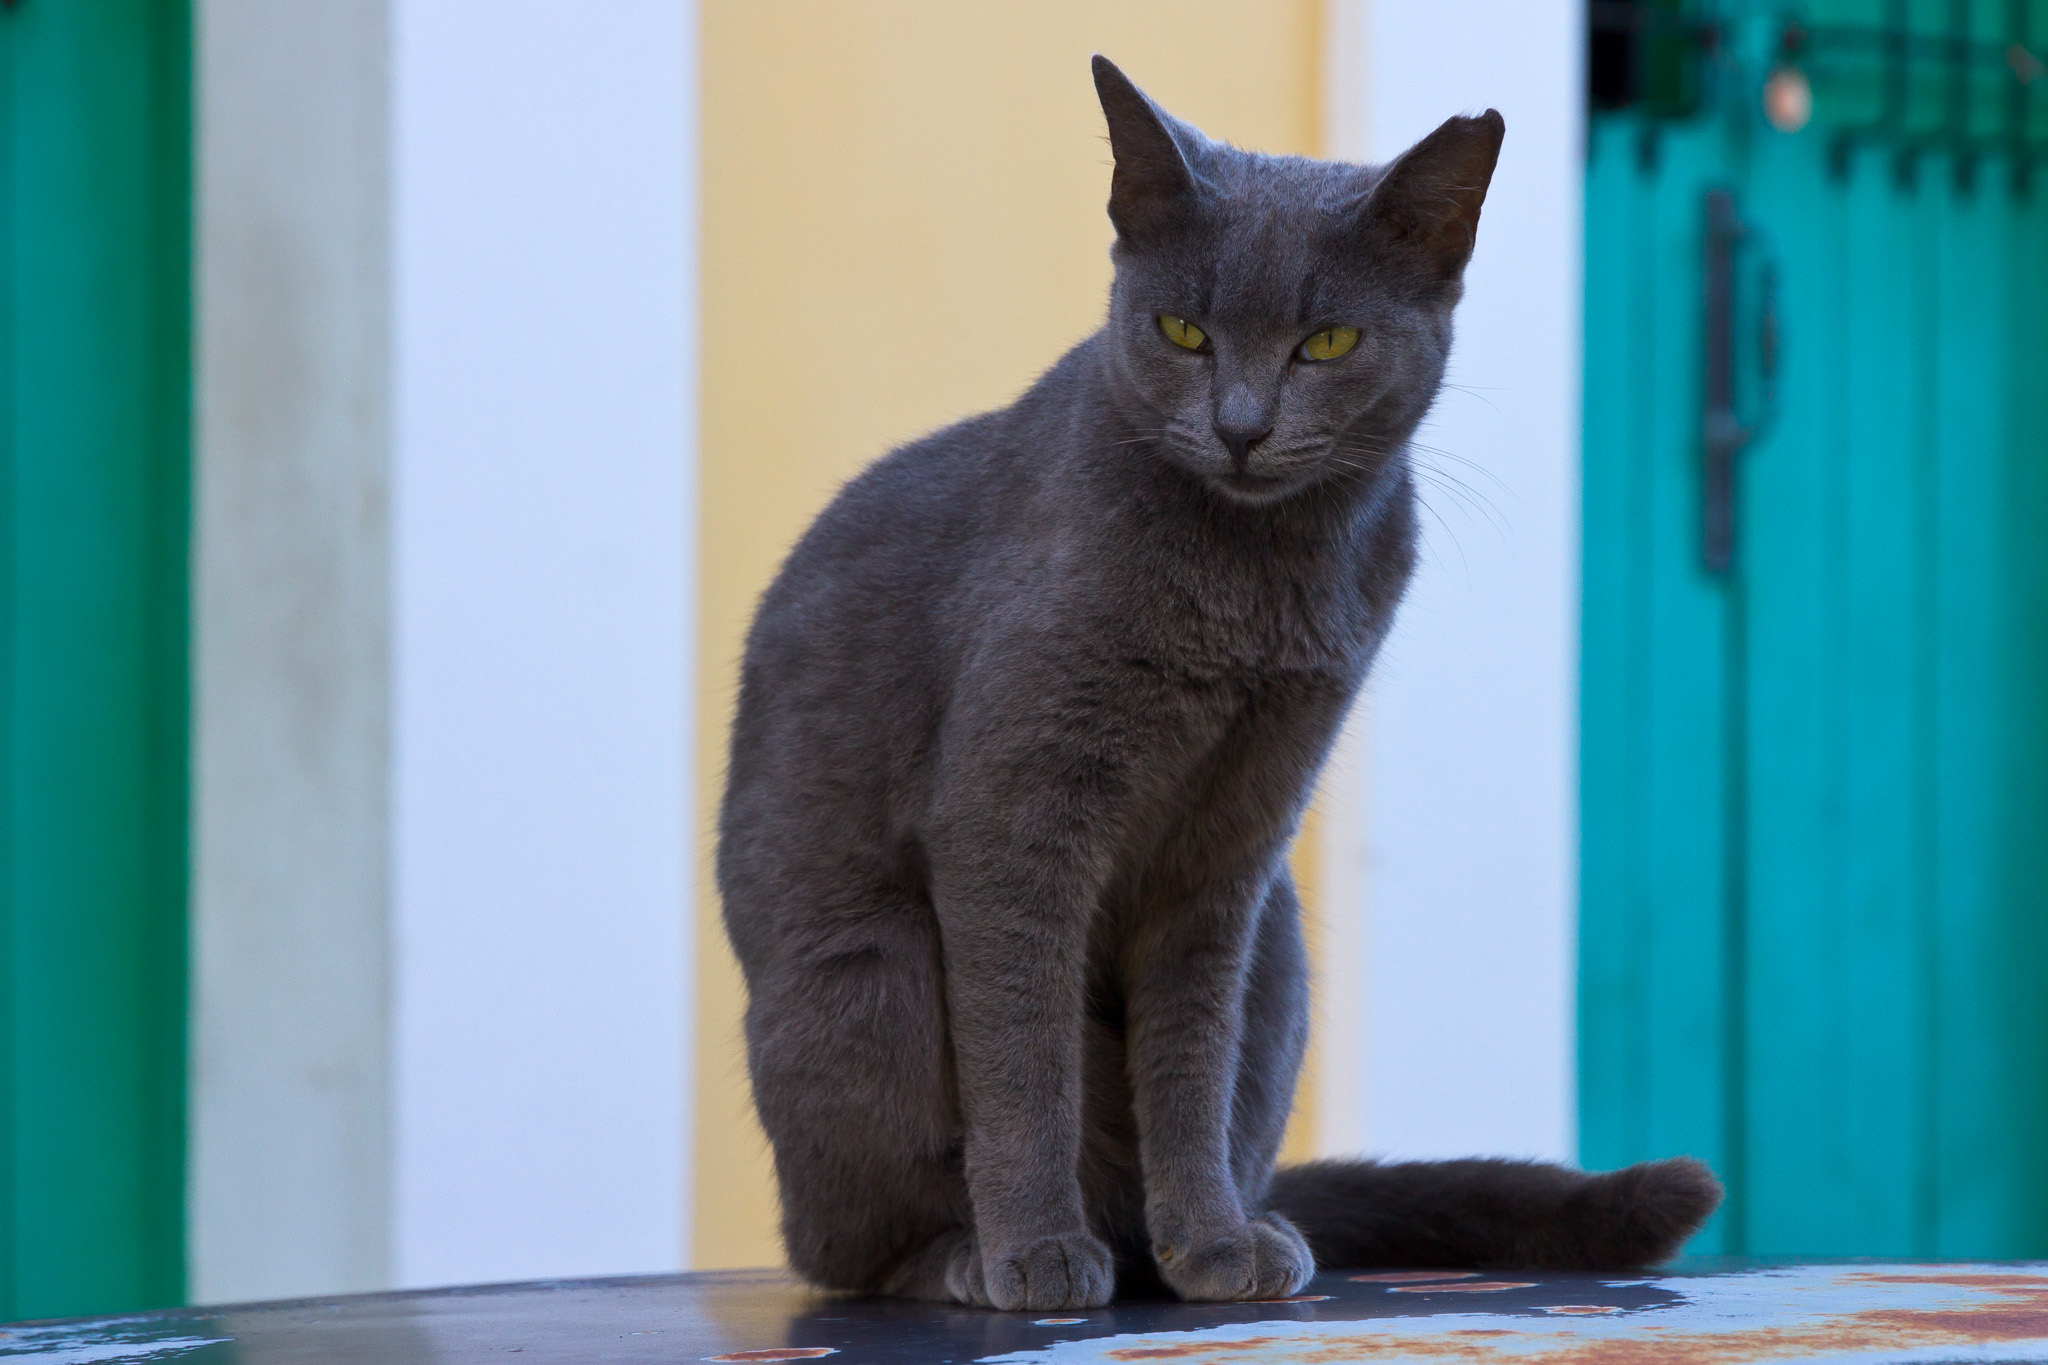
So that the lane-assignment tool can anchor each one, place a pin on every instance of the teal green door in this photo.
(1814, 929)
(93, 458)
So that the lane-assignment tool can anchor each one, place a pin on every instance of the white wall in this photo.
(542, 164)
(445, 611)
(1452, 830)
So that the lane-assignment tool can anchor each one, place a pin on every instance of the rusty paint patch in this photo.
(1898, 1315)
(780, 1353)
(1406, 1276)
(1961, 1279)
(1189, 1350)
(1056, 1322)
(1476, 1287)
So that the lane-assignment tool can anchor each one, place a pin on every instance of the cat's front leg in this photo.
(1013, 985)
(1013, 916)
(1186, 1022)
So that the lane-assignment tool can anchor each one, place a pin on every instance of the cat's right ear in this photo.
(1152, 188)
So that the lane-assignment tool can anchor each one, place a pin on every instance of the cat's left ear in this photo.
(1428, 200)
(1153, 188)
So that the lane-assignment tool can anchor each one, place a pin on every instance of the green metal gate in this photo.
(1814, 933)
(93, 455)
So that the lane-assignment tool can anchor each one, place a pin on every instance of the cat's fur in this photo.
(1026, 723)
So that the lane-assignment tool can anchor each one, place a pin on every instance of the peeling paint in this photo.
(1475, 1287)
(1906, 1315)
(69, 1345)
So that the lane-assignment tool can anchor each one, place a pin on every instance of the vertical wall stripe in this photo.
(542, 622)
(289, 1074)
(1468, 1027)
(903, 224)
(1342, 962)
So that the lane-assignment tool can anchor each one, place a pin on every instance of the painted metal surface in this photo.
(1815, 773)
(1727, 1314)
(94, 423)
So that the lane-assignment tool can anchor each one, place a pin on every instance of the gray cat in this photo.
(1026, 723)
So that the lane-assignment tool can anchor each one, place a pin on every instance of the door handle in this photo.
(1725, 431)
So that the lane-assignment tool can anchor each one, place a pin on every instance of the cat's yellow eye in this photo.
(1329, 343)
(1181, 332)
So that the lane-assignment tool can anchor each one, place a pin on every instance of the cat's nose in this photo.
(1241, 439)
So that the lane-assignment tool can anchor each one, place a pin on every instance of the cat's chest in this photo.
(1257, 622)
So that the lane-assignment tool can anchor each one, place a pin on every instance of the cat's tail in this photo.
(1494, 1214)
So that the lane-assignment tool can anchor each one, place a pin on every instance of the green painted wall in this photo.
(94, 207)
(1814, 943)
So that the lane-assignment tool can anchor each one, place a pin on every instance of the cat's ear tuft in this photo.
(1429, 199)
(1152, 188)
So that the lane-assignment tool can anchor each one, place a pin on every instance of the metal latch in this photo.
(1724, 430)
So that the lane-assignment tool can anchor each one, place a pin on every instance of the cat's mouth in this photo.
(1247, 486)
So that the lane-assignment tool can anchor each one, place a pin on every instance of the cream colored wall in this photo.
(902, 224)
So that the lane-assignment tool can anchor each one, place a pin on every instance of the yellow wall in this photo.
(902, 224)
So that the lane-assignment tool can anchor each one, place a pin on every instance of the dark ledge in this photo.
(1705, 1311)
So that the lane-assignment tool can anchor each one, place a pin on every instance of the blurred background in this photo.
(402, 403)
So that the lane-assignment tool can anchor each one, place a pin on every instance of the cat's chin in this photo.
(1255, 490)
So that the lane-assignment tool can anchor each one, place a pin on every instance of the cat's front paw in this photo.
(1264, 1259)
(1071, 1271)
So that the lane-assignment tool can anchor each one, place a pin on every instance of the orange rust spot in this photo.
(1321, 1350)
(1476, 1287)
(1184, 1350)
(2023, 1284)
(1989, 1323)
(1581, 1310)
(1406, 1276)
(780, 1353)
(1346, 1350)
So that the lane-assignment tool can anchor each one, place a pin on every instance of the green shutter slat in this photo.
(1607, 1130)
(96, 247)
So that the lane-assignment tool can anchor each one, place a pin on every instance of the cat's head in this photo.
(1276, 320)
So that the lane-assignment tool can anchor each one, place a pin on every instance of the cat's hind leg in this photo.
(848, 1049)
(946, 1269)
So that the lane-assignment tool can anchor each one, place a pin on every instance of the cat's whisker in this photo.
(1457, 544)
(1477, 508)
(1478, 499)
(1477, 468)
(1471, 497)
(1470, 392)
